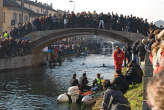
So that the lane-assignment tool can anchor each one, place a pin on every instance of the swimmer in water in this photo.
(83, 63)
(103, 65)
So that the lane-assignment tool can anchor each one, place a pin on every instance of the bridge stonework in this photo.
(41, 39)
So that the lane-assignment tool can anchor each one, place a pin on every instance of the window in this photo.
(20, 18)
(4, 16)
(25, 18)
(15, 18)
(41, 10)
(37, 11)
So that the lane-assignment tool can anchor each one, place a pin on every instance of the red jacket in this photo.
(118, 57)
(160, 66)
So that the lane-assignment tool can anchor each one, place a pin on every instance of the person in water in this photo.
(83, 63)
(74, 81)
(103, 65)
(97, 82)
(113, 99)
(83, 82)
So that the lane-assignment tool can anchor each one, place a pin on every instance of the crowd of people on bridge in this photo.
(94, 20)
(109, 21)
(84, 19)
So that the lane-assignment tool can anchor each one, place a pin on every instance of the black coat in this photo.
(83, 83)
(120, 83)
(114, 100)
(74, 82)
(134, 74)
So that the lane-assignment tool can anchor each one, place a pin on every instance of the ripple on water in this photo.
(38, 88)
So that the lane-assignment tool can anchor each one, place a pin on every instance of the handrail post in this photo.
(148, 73)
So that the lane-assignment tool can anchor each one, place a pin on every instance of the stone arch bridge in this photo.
(40, 39)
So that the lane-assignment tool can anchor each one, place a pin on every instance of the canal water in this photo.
(38, 88)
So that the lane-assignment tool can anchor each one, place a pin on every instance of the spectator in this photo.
(155, 92)
(113, 99)
(128, 54)
(74, 81)
(101, 21)
(119, 57)
(119, 82)
(135, 52)
(6, 35)
(83, 82)
(157, 55)
(141, 51)
(98, 82)
(134, 73)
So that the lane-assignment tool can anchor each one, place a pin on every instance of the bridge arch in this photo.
(41, 39)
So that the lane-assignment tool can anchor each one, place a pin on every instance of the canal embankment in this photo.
(15, 62)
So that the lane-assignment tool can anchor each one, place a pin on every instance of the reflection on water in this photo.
(38, 88)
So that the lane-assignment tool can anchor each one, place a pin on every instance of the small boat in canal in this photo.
(74, 95)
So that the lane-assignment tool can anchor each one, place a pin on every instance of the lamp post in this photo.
(71, 1)
(22, 8)
(1, 16)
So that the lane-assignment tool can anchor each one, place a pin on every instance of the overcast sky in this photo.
(150, 9)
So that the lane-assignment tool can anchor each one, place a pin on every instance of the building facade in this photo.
(22, 11)
(1, 15)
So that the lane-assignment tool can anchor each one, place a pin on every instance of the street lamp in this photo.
(22, 8)
(71, 1)
(1, 16)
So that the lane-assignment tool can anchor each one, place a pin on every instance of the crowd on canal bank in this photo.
(12, 48)
(153, 45)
